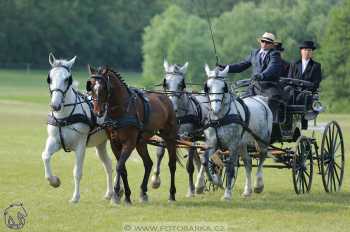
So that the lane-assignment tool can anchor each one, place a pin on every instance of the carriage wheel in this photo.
(332, 157)
(302, 168)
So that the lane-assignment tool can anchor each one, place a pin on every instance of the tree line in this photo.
(138, 35)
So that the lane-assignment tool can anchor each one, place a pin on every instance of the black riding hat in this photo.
(307, 44)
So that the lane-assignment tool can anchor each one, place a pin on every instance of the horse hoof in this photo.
(115, 200)
(226, 198)
(190, 194)
(108, 196)
(171, 199)
(155, 180)
(200, 190)
(74, 200)
(247, 194)
(128, 202)
(55, 181)
(143, 198)
(259, 189)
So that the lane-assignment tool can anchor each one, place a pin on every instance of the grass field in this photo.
(23, 108)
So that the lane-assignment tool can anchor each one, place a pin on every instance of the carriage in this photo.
(294, 145)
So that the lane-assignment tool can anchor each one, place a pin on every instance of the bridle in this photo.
(225, 90)
(177, 94)
(70, 82)
(105, 81)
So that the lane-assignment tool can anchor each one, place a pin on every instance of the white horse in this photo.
(225, 132)
(69, 126)
(191, 111)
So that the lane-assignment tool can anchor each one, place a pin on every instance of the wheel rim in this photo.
(302, 168)
(332, 157)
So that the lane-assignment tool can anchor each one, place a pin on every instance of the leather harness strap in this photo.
(73, 118)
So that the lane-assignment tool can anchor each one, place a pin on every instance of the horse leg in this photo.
(78, 170)
(170, 142)
(147, 163)
(190, 170)
(247, 160)
(51, 147)
(230, 174)
(122, 173)
(200, 183)
(107, 164)
(259, 183)
(155, 180)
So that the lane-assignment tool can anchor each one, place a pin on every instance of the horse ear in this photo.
(224, 72)
(71, 62)
(183, 69)
(166, 65)
(91, 70)
(207, 70)
(52, 59)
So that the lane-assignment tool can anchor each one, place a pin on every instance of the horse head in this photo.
(99, 87)
(174, 82)
(59, 80)
(216, 88)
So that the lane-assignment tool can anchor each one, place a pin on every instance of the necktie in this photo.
(262, 56)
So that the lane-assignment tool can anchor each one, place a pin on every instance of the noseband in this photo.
(70, 81)
(206, 90)
(106, 81)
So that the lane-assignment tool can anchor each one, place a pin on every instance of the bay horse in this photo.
(132, 117)
(225, 130)
(70, 125)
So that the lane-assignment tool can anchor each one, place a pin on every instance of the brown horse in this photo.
(133, 117)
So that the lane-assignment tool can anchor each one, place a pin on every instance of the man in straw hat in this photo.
(266, 69)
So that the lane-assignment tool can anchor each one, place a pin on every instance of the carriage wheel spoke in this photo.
(337, 147)
(337, 165)
(336, 174)
(334, 183)
(303, 181)
(328, 176)
(308, 175)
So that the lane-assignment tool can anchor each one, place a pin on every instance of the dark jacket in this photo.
(312, 72)
(285, 68)
(270, 68)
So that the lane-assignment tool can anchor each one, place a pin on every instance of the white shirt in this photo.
(304, 64)
(262, 53)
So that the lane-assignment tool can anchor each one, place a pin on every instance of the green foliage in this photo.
(177, 37)
(107, 32)
(335, 56)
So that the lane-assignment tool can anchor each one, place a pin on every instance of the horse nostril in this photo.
(55, 108)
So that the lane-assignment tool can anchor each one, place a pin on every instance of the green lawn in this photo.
(23, 109)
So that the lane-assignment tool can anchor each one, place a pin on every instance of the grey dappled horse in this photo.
(224, 105)
(70, 123)
(191, 110)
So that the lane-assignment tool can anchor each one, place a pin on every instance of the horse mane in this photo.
(116, 74)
